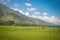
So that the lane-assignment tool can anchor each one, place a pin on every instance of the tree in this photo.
(1, 13)
(1, 22)
(10, 22)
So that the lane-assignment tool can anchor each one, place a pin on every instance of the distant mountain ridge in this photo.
(9, 16)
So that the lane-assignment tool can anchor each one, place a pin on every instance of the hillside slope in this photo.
(9, 16)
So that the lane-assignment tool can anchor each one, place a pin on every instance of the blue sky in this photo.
(45, 9)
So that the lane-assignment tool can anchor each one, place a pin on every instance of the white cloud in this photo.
(45, 17)
(33, 16)
(51, 19)
(16, 5)
(21, 11)
(45, 13)
(4, 1)
(28, 4)
(16, 9)
(37, 12)
(26, 13)
(31, 9)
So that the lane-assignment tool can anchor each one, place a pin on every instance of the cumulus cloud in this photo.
(37, 12)
(16, 5)
(21, 11)
(34, 16)
(4, 1)
(31, 9)
(46, 17)
(45, 13)
(51, 19)
(16, 9)
(28, 4)
(27, 13)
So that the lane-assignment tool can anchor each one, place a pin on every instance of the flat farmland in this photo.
(29, 33)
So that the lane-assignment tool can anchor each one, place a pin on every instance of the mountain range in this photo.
(10, 17)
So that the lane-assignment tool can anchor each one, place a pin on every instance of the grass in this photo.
(29, 33)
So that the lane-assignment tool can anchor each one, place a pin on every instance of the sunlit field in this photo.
(29, 33)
